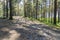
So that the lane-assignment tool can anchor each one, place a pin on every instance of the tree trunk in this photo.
(6, 8)
(55, 11)
(36, 8)
(24, 10)
(10, 10)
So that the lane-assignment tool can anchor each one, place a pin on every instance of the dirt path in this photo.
(24, 29)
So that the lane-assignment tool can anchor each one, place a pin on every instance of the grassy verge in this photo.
(47, 21)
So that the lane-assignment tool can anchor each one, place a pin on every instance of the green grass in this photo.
(47, 21)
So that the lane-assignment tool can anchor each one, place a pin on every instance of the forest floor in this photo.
(24, 29)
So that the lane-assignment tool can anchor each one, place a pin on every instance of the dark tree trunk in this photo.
(55, 11)
(6, 8)
(36, 8)
(58, 12)
(10, 2)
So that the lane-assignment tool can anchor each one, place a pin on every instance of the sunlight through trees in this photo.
(47, 11)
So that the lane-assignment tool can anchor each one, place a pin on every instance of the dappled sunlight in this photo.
(23, 31)
(29, 20)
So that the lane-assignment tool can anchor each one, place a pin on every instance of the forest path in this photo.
(24, 29)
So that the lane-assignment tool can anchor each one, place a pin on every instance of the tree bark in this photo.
(10, 1)
(36, 8)
(6, 8)
(55, 11)
(24, 10)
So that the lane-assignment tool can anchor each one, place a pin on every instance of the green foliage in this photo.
(31, 7)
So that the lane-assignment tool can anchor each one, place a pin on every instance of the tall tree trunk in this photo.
(41, 12)
(49, 11)
(6, 8)
(10, 1)
(55, 11)
(36, 8)
(24, 10)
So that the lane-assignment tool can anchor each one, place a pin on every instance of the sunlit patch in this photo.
(14, 35)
